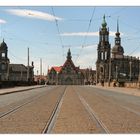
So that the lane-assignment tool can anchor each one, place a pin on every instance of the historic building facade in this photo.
(112, 64)
(89, 76)
(67, 74)
(13, 72)
(4, 61)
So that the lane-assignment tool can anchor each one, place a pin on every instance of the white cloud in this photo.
(111, 33)
(2, 21)
(33, 14)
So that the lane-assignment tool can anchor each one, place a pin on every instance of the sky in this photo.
(50, 31)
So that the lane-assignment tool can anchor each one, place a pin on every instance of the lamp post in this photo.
(116, 73)
(130, 74)
(109, 72)
(28, 75)
(8, 71)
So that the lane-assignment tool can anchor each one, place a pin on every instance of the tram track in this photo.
(93, 115)
(51, 122)
(111, 100)
(19, 106)
(122, 118)
(69, 110)
(38, 104)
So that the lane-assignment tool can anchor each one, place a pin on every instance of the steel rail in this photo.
(9, 112)
(115, 102)
(52, 120)
(93, 115)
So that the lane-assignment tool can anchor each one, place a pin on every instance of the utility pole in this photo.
(40, 67)
(116, 73)
(28, 65)
(8, 71)
(96, 75)
(21, 75)
(130, 70)
(109, 78)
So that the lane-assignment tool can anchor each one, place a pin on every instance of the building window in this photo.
(106, 37)
(101, 37)
(3, 55)
(102, 56)
(102, 69)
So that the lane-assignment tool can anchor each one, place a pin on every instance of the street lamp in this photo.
(130, 74)
(109, 72)
(116, 73)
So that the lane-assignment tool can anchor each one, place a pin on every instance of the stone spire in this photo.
(117, 33)
(69, 54)
(104, 24)
(117, 50)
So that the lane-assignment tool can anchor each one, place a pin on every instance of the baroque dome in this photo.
(3, 45)
(117, 49)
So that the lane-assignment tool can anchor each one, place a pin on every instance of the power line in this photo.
(85, 38)
(127, 24)
(16, 56)
(118, 11)
(58, 30)
(134, 50)
(131, 39)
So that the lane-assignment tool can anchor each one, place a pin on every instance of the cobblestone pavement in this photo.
(9, 101)
(73, 118)
(116, 111)
(32, 117)
(120, 113)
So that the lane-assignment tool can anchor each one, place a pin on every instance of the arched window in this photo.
(102, 69)
(102, 55)
(106, 37)
(3, 55)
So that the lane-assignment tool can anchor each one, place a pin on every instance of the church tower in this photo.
(103, 53)
(69, 54)
(4, 61)
(117, 50)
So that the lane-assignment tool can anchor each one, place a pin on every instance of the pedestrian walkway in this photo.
(16, 89)
(131, 91)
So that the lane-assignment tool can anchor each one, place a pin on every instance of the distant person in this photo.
(114, 84)
(102, 83)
